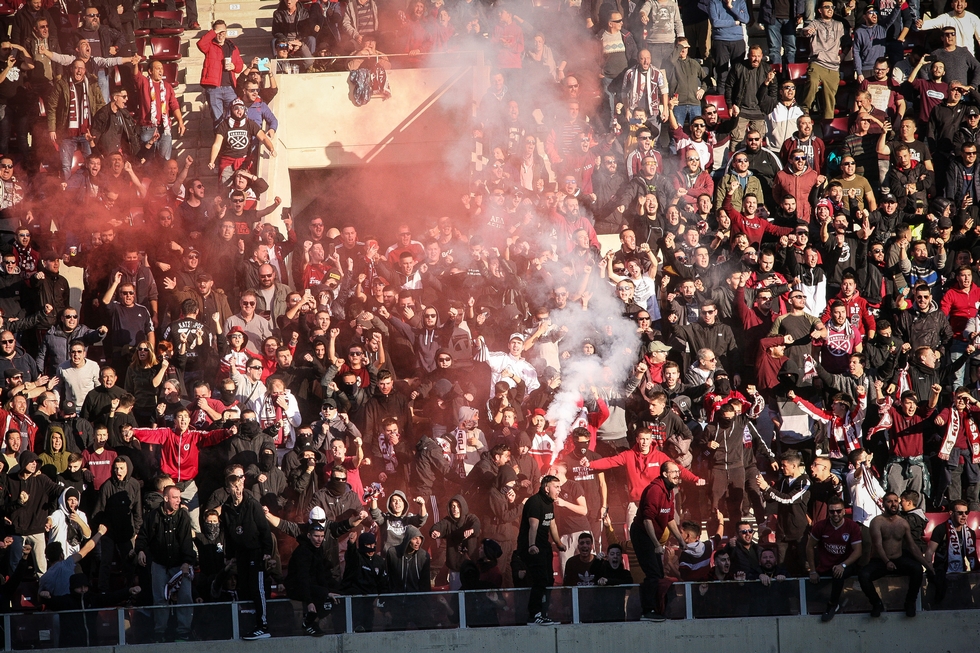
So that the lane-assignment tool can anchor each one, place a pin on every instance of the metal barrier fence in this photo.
(454, 610)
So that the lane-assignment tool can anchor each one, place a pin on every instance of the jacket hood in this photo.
(505, 475)
(398, 493)
(26, 458)
(63, 499)
(129, 471)
(933, 307)
(412, 531)
(789, 372)
(47, 439)
(463, 508)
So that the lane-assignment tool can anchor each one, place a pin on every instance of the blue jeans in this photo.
(220, 99)
(684, 112)
(68, 147)
(782, 34)
(104, 85)
(610, 96)
(163, 145)
(957, 349)
(160, 576)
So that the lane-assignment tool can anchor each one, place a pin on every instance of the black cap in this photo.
(972, 111)
(68, 407)
(11, 372)
(889, 197)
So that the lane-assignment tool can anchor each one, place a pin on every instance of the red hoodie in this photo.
(861, 318)
(960, 306)
(641, 470)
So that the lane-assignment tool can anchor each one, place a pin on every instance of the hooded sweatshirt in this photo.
(408, 571)
(458, 546)
(28, 517)
(309, 568)
(63, 529)
(119, 505)
(394, 526)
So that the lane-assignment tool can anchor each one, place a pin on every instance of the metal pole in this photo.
(688, 601)
(349, 615)
(121, 616)
(576, 616)
(235, 632)
(803, 607)
(461, 596)
(7, 634)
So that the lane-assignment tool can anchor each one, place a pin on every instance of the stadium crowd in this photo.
(772, 375)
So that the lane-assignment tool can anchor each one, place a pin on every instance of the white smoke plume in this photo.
(617, 348)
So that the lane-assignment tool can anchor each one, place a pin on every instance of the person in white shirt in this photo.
(509, 366)
(967, 24)
(781, 121)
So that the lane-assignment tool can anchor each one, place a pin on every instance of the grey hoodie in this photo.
(395, 526)
(408, 571)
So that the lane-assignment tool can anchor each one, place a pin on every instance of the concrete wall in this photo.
(933, 632)
(320, 127)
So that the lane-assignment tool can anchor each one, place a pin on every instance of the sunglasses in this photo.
(745, 531)
(7, 166)
(255, 367)
(127, 292)
(445, 360)
(835, 512)
(142, 349)
(248, 303)
(71, 317)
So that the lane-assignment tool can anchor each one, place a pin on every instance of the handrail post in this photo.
(235, 628)
(576, 616)
(688, 601)
(121, 621)
(350, 615)
(804, 610)
(461, 597)
(8, 636)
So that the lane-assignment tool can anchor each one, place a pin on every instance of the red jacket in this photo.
(179, 453)
(960, 306)
(755, 325)
(861, 318)
(703, 185)
(755, 227)
(214, 60)
(640, 470)
(142, 116)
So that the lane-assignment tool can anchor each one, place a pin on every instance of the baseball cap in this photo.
(972, 111)
(656, 345)
(516, 336)
(889, 197)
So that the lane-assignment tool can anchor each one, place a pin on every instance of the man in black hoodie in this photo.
(166, 536)
(250, 545)
(408, 571)
(461, 530)
(120, 508)
(28, 495)
(310, 579)
(430, 466)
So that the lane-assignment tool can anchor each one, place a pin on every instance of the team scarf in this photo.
(460, 436)
(955, 549)
(79, 112)
(272, 414)
(388, 453)
(809, 369)
(972, 434)
(25, 425)
(159, 114)
(641, 85)
(904, 383)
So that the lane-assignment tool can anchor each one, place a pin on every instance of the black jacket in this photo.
(247, 531)
(309, 567)
(408, 572)
(119, 506)
(166, 539)
(430, 465)
(459, 547)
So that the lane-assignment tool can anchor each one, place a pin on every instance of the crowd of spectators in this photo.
(772, 374)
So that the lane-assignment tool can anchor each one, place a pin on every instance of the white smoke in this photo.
(617, 348)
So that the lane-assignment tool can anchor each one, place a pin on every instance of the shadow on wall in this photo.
(376, 197)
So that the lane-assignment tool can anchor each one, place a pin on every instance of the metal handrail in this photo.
(348, 600)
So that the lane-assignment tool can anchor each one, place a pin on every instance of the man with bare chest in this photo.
(893, 551)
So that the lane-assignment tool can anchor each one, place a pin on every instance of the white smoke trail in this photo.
(617, 348)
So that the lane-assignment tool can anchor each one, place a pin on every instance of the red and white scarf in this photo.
(79, 112)
(159, 112)
(959, 554)
(971, 432)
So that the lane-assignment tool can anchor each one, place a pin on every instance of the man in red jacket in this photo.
(642, 463)
(960, 303)
(179, 451)
(222, 65)
(649, 532)
(858, 314)
(159, 112)
(748, 222)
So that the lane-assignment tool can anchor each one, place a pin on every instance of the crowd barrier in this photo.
(431, 611)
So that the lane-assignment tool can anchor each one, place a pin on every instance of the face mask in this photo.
(337, 485)
(723, 421)
(723, 387)
(267, 461)
(583, 448)
(131, 266)
(227, 396)
(211, 530)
